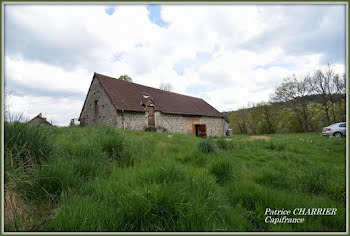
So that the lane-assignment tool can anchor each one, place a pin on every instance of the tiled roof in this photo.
(127, 95)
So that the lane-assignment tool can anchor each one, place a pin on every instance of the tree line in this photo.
(299, 104)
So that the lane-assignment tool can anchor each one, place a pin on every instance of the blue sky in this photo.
(155, 15)
(229, 55)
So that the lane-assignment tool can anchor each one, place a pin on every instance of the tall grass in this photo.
(151, 199)
(221, 169)
(224, 144)
(103, 179)
(206, 146)
(26, 143)
(113, 144)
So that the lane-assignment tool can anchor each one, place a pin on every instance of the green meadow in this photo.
(103, 179)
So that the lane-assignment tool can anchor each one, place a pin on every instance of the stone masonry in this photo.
(132, 120)
(106, 115)
(98, 111)
(183, 124)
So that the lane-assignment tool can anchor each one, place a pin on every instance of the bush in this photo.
(221, 169)
(206, 146)
(27, 143)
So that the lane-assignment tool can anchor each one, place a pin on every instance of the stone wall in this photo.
(106, 115)
(171, 122)
(184, 124)
(133, 120)
(215, 125)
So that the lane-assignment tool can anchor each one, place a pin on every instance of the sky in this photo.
(229, 55)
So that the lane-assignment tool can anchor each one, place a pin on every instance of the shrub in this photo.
(221, 169)
(150, 129)
(206, 146)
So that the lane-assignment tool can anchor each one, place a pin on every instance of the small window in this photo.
(343, 125)
(145, 95)
(96, 107)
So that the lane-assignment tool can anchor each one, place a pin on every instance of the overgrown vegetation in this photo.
(102, 179)
(299, 104)
(26, 144)
(206, 146)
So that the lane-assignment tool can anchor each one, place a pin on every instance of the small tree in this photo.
(125, 78)
(166, 87)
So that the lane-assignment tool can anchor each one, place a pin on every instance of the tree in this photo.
(267, 118)
(125, 78)
(322, 87)
(166, 87)
(238, 121)
(340, 84)
(295, 92)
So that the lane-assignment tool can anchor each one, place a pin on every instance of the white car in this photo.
(337, 130)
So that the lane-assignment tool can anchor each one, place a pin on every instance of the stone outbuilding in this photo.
(128, 105)
(39, 120)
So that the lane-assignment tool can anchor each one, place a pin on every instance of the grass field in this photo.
(102, 179)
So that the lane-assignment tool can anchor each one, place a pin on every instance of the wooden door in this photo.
(151, 116)
(202, 131)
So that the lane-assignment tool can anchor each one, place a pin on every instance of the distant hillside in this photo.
(311, 98)
(226, 113)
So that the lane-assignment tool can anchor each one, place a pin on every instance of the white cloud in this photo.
(48, 52)
(58, 111)
(35, 75)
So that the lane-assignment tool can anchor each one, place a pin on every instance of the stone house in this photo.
(39, 120)
(128, 105)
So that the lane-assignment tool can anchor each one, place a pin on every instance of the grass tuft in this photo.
(114, 145)
(206, 146)
(26, 143)
(221, 169)
(224, 144)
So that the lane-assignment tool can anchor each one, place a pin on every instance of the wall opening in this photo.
(151, 121)
(96, 107)
(201, 131)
